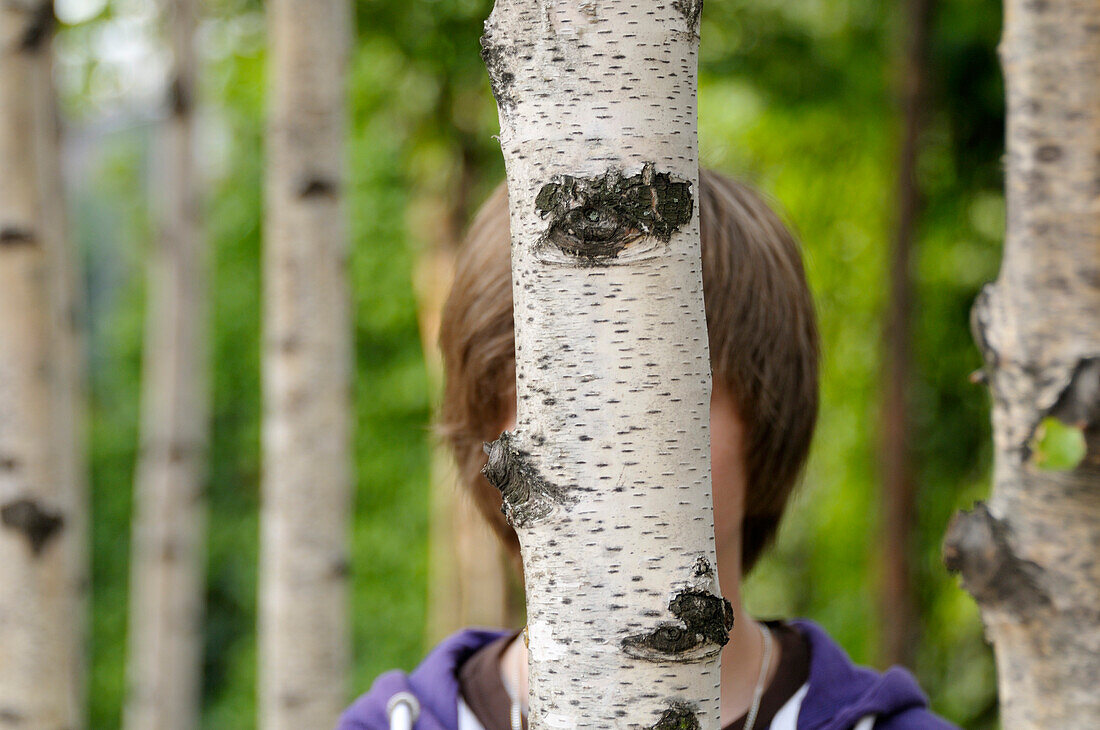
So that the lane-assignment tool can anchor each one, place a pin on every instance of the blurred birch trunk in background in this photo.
(43, 521)
(304, 641)
(164, 670)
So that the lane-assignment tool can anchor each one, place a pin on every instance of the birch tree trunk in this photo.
(606, 476)
(42, 553)
(304, 640)
(1031, 556)
(168, 545)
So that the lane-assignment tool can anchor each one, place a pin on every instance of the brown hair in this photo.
(763, 347)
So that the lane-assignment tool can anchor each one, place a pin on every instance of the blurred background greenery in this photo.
(798, 98)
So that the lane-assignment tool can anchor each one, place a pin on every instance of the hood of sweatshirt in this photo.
(839, 695)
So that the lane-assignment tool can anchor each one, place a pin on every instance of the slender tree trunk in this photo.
(42, 554)
(304, 637)
(898, 620)
(1030, 556)
(606, 476)
(168, 546)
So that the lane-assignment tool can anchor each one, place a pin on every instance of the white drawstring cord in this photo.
(402, 710)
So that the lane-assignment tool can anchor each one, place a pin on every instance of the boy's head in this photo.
(763, 349)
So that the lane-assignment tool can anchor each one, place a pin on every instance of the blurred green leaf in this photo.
(1057, 446)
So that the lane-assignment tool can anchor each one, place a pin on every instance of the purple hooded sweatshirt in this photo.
(839, 695)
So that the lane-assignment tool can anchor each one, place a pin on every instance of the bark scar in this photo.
(678, 716)
(705, 620)
(500, 79)
(977, 547)
(527, 495)
(594, 221)
(1067, 388)
(1079, 403)
(36, 524)
(691, 10)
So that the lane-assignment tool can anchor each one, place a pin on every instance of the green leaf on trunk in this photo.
(1057, 446)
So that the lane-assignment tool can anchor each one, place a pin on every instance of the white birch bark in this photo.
(304, 638)
(168, 544)
(70, 395)
(1031, 556)
(42, 556)
(606, 476)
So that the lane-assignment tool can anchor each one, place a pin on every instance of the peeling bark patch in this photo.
(706, 623)
(500, 79)
(976, 546)
(527, 495)
(37, 525)
(678, 716)
(596, 219)
(691, 10)
(14, 236)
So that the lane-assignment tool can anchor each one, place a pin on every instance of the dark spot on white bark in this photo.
(340, 567)
(705, 623)
(977, 547)
(678, 716)
(596, 219)
(702, 568)
(8, 463)
(38, 525)
(527, 495)
(500, 79)
(179, 97)
(15, 236)
(1048, 153)
(691, 10)
(10, 716)
(316, 187)
(40, 27)
(170, 552)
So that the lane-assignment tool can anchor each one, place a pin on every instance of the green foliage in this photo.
(796, 98)
(1057, 446)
